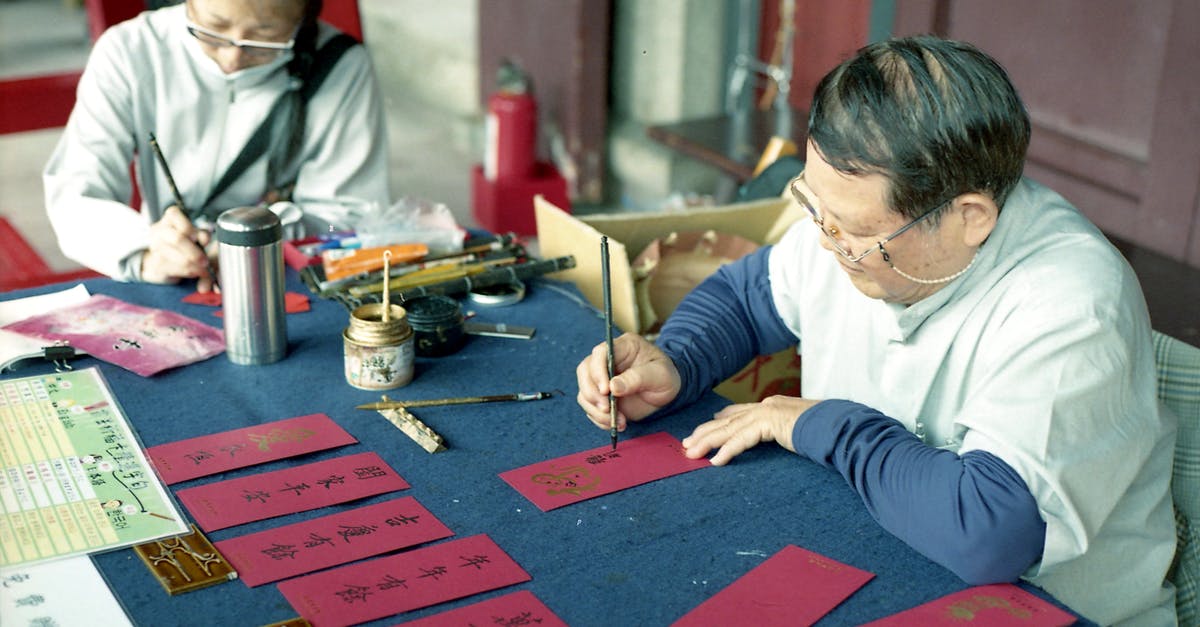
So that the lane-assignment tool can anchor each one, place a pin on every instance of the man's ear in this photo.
(978, 213)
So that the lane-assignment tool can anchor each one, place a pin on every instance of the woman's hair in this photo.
(938, 118)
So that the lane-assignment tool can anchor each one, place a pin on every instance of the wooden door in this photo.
(1114, 95)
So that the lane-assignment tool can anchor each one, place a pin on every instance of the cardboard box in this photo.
(764, 222)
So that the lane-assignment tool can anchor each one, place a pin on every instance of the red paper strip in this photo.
(403, 582)
(210, 454)
(340, 538)
(298, 489)
(293, 302)
(582, 476)
(792, 587)
(982, 606)
(212, 299)
(515, 608)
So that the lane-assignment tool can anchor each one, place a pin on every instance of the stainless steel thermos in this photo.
(251, 260)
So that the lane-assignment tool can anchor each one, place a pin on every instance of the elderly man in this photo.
(977, 356)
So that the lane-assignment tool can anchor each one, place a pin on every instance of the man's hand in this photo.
(740, 427)
(644, 379)
(177, 251)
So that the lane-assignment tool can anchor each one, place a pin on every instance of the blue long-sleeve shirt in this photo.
(972, 513)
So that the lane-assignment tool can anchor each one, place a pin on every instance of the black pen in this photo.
(162, 163)
(608, 337)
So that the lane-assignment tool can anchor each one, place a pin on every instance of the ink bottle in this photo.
(378, 347)
(437, 322)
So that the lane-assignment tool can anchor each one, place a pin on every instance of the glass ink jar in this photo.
(378, 352)
(437, 322)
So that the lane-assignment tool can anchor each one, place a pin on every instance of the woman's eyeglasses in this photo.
(248, 46)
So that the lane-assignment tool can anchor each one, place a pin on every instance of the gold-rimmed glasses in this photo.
(802, 193)
(251, 47)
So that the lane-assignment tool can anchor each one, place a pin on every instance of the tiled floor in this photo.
(430, 159)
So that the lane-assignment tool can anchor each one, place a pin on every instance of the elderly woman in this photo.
(251, 101)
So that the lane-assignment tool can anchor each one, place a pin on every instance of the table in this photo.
(644, 556)
(732, 143)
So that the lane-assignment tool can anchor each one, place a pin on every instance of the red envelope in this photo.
(238, 448)
(308, 546)
(599, 471)
(293, 302)
(982, 606)
(515, 608)
(297, 489)
(204, 298)
(792, 587)
(403, 582)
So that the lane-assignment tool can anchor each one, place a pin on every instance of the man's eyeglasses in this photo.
(248, 46)
(801, 193)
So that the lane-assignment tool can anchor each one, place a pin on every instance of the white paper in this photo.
(14, 346)
(65, 593)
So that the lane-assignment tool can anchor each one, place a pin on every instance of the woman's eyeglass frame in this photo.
(803, 201)
(248, 46)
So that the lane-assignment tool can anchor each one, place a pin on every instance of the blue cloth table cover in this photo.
(644, 556)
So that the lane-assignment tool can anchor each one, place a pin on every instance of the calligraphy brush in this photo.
(608, 337)
(162, 163)
(463, 400)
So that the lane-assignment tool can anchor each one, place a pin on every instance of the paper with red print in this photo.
(403, 582)
(515, 608)
(582, 476)
(792, 587)
(136, 338)
(309, 546)
(210, 454)
(982, 606)
(297, 489)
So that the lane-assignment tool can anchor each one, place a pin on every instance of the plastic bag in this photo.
(411, 221)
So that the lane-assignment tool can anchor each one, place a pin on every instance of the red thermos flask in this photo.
(511, 133)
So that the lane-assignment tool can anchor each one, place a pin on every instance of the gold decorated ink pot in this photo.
(378, 347)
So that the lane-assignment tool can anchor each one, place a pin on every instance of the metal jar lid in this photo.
(498, 295)
(249, 226)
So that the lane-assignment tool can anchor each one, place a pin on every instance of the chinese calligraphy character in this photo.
(232, 449)
(31, 600)
(401, 520)
(199, 456)
(280, 551)
(369, 472)
(350, 594)
(391, 581)
(331, 480)
(476, 560)
(574, 480)
(350, 531)
(435, 572)
(295, 489)
(315, 540)
(258, 495)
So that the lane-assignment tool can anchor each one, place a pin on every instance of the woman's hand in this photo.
(177, 251)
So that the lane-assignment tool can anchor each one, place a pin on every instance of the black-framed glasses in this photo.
(248, 46)
(801, 192)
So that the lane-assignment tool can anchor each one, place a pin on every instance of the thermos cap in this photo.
(249, 226)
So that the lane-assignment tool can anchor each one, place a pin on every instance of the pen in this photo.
(608, 337)
(390, 404)
(162, 163)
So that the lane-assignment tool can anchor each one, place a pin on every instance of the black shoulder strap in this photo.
(323, 61)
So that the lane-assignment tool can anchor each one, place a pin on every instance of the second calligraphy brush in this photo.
(608, 337)
(162, 163)
(464, 400)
